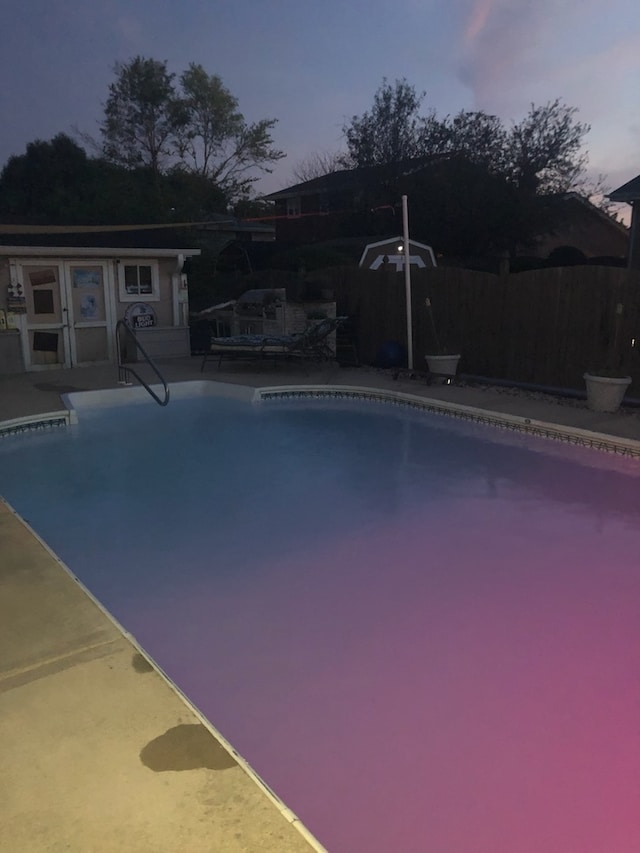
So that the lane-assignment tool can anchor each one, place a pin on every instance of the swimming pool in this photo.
(422, 633)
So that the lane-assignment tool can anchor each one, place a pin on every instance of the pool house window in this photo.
(138, 279)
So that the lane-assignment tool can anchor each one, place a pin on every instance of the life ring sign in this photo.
(140, 315)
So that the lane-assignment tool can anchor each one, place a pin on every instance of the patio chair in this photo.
(312, 343)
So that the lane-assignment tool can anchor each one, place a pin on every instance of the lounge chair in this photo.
(312, 344)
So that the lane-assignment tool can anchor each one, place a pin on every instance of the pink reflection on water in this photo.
(462, 680)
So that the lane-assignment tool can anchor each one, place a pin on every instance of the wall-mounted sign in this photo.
(90, 277)
(38, 277)
(140, 315)
(17, 304)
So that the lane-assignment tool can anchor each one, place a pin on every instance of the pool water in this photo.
(423, 634)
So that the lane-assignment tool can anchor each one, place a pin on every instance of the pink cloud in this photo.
(498, 50)
(477, 20)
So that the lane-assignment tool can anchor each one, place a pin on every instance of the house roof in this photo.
(352, 179)
(594, 210)
(627, 192)
(84, 241)
(571, 220)
(57, 251)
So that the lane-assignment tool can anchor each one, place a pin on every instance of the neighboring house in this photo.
(61, 294)
(630, 194)
(579, 224)
(323, 208)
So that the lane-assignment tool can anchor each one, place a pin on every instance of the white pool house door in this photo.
(68, 314)
(88, 311)
(45, 339)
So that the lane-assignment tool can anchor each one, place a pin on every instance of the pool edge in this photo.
(573, 435)
(33, 423)
(532, 426)
(279, 804)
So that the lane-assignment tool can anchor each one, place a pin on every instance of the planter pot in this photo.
(605, 393)
(442, 366)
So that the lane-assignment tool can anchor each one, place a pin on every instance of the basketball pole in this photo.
(407, 280)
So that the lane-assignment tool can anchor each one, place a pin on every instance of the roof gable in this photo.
(346, 180)
(627, 192)
(576, 199)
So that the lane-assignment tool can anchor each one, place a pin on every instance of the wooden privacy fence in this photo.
(543, 327)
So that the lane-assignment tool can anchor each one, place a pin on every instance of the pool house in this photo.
(61, 296)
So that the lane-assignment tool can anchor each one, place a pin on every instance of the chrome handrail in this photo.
(123, 370)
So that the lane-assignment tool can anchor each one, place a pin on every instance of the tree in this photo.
(478, 136)
(318, 164)
(194, 127)
(212, 117)
(541, 154)
(394, 131)
(253, 208)
(56, 183)
(545, 149)
(142, 115)
(215, 140)
(390, 132)
(189, 196)
(41, 186)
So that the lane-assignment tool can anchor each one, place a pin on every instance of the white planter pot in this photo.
(442, 366)
(605, 393)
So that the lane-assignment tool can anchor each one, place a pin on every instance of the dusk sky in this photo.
(313, 65)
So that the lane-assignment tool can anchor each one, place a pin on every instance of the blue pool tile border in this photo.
(569, 435)
(38, 423)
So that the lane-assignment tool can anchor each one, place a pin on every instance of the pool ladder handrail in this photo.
(124, 371)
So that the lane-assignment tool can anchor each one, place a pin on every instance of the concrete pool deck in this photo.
(97, 750)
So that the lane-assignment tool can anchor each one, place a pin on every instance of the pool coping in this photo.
(287, 813)
(544, 429)
(32, 423)
(210, 387)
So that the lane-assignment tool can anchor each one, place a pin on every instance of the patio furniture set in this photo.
(311, 344)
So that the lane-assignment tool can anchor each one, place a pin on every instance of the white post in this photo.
(407, 280)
